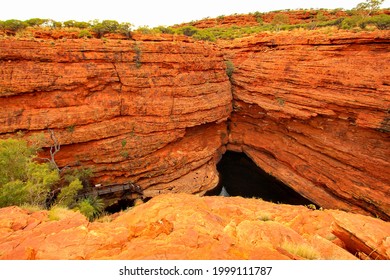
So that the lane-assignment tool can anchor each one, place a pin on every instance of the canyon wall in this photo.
(150, 111)
(312, 109)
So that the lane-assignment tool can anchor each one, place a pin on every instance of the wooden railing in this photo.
(99, 190)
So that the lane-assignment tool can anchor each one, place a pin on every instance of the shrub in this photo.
(14, 157)
(165, 30)
(13, 193)
(351, 22)
(125, 29)
(188, 30)
(303, 250)
(83, 34)
(106, 26)
(40, 179)
(382, 21)
(68, 194)
(35, 21)
(259, 17)
(57, 213)
(137, 56)
(90, 207)
(229, 69)
(205, 35)
(13, 25)
(82, 174)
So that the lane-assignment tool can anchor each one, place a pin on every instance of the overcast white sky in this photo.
(154, 12)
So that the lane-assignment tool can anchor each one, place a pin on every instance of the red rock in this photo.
(124, 108)
(182, 226)
(311, 109)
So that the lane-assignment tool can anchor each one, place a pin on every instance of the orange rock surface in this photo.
(312, 109)
(255, 19)
(182, 226)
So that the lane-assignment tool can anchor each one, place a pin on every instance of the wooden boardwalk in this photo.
(104, 190)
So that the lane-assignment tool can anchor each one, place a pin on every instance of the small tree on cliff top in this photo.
(368, 7)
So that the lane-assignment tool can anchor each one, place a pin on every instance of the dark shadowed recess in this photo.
(240, 176)
(120, 205)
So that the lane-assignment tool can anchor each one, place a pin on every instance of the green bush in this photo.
(205, 35)
(68, 194)
(382, 21)
(125, 29)
(14, 156)
(13, 193)
(188, 30)
(351, 22)
(165, 30)
(90, 207)
(22, 180)
(229, 68)
(35, 22)
(84, 34)
(13, 25)
(106, 26)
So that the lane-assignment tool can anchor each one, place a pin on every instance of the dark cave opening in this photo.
(240, 176)
(120, 205)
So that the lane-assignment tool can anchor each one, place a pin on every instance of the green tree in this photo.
(106, 26)
(188, 30)
(35, 21)
(368, 7)
(68, 194)
(14, 157)
(14, 25)
(125, 29)
(40, 179)
(13, 193)
(22, 180)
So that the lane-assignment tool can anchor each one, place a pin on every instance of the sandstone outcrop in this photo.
(312, 109)
(149, 110)
(182, 226)
(256, 19)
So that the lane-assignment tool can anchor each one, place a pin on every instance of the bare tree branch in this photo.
(55, 148)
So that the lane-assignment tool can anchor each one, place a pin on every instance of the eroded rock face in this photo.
(310, 108)
(313, 110)
(150, 111)
(182, 226)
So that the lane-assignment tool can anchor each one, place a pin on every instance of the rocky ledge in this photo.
(182, 226)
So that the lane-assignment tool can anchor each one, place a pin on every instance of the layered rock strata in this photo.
(149, 111)
(313, 110)
(182, 226)
(310, 108)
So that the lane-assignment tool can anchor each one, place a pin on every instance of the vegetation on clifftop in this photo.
(365, 16)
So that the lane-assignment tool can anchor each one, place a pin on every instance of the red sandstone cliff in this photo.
(150, 111)
(312, 109)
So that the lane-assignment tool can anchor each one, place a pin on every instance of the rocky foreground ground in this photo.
(183, 226)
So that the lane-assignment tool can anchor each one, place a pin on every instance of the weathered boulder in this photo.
(182, 226)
